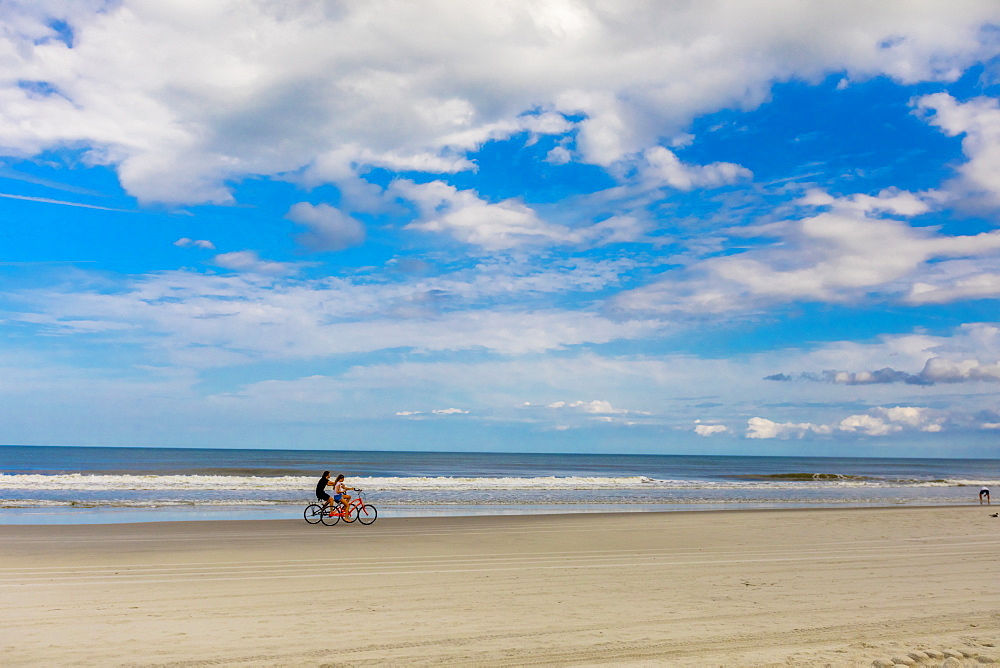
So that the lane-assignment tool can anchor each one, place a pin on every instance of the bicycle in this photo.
(357, 510)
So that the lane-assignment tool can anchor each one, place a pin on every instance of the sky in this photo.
(627, 226)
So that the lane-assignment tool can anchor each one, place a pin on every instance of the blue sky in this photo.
(654, 227)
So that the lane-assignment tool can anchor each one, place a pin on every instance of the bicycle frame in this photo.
(356, 502)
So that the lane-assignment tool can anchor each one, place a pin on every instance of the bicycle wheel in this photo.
(312, 513)
(366, 514)
(329, 519)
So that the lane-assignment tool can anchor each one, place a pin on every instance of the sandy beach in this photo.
(916, 586)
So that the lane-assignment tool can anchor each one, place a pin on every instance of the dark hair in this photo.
(326, 474)
(339, 478)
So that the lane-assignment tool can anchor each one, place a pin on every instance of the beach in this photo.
(748, 588)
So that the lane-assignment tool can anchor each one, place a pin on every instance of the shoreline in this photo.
(811, 586)
(94, 515)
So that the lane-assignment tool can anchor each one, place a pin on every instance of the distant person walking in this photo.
(984, 493)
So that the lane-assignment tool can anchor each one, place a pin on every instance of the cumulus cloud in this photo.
(319, 90)
(504, 225)
(710, 429)
(868, 425)
(330, 229)
(558, 156)
(250, 261)
(596, 406)
(470, 219)
(878, 377)
(836, 256)
(883, 421)
(889, 200)
(945, 289)
(879, 421)
(758, 427)
(436, 411)
(979, 121)
(941, 370)
(661, 166)
(185, 242)
(936, 370)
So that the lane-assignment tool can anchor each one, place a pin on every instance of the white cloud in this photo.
(968, 354)
(942, 370)
(558, 156)
(326, 91)
(891, 420)
(462, 214)
(758, 427)
(595, 407)
(663, 167)
(436, 411)
(710, 429)
(867, 424)
(879, 421)
(890, 200)
(505, 225)
(946, 289)
(910, 416)
(979, 120)
(330, 229)
(249, 261)
(261, 312)
(184, 242)
(838, 256)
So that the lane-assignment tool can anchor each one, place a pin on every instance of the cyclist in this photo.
(340, 494)
(321, 489)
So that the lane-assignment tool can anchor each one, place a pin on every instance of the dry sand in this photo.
(748, 588)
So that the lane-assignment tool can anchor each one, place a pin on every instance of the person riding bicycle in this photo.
(340, 494)
(321, 489)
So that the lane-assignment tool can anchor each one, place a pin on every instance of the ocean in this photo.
(40, 485)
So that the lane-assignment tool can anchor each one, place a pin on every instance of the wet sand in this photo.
(917, 586)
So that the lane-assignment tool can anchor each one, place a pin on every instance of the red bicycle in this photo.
(356, 510)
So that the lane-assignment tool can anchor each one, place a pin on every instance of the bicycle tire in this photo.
(370, 514)
(328, 519)
(312, 513)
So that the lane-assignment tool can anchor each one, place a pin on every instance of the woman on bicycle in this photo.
(340, 494)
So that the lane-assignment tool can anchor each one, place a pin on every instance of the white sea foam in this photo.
(207, 483)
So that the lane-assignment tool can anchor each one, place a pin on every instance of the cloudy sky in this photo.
(557, 225)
